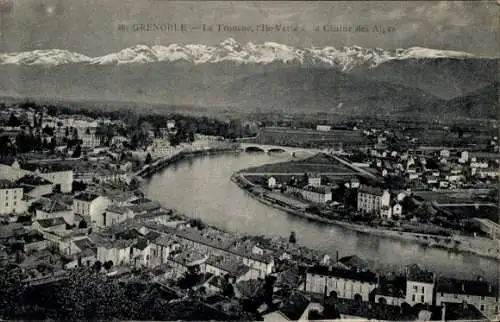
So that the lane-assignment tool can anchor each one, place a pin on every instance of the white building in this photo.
(372, 200)
(54, 209)
(117, 251)
(323, 128)
(419, 286)
(478, 293)
(271, 182)
(61, 176)
(117, 214)
(90, 139)
(313, 179)
(346, 283)
(11, 195)
(321, 194)
(444, 153)
(91, 206)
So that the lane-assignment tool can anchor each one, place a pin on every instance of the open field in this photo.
(480, 211)
(471, 196)
(308, 137)
(319, 163)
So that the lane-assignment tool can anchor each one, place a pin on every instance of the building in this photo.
(49, 225)
(372, 200)
(162, 247)
(54, 209)
(118, 140)
(221, 266)
(321, 194)
(92, 206)
(11, 195)
(271, 182)
(479, 293)
(59, 174)
(35, 186)
(348, 284)
(117, 251)
(491, 228)
(116, 214)
(313, 179)
(89, 138)
(419, 286)
(323, 128)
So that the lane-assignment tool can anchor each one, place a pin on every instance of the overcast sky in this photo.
(90, 27)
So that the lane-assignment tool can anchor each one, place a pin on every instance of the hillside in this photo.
(443, 77)
(482, 103)
(326, 90)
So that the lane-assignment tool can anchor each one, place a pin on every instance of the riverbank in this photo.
(164, 162)
(459, 244)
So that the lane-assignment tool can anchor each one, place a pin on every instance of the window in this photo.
(415, 288)
(6, 204)
(482, 307)
(482, 298)
(442, 294)
(422, 299)
(423, 289)
(413, 297)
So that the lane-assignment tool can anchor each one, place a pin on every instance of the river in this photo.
(201, 187)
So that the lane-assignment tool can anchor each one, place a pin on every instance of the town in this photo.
(81, 239)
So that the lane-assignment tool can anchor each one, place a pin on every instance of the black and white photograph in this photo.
(249, 160)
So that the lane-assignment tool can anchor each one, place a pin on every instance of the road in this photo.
(358, 169)
(297, 173)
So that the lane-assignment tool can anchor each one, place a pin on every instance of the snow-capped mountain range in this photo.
(229, 50)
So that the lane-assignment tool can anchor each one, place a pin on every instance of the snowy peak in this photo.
(230, 50)
(49, 57)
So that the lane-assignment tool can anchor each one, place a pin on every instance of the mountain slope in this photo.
(482, 103)
(443, 77)
(313, 89)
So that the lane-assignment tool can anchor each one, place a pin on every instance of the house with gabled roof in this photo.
(91, 205)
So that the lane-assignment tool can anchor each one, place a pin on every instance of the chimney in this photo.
(463, 287)
(443, 313)
(337, 255)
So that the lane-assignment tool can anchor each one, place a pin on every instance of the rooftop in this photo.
(145, 207)
(52, 206)
(86, 196)
(456, 286)
(229, 265)
(118, 209)
(84, 243)
(366, 276)
(418, 274)
(46, 223)
(371, 190)
(295, 306)
(458, 311)
(32, 180)
(7, 184)
(47, 167)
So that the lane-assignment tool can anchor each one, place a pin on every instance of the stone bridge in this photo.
(279, 149)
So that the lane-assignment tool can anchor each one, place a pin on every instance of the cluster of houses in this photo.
(309, 188)
(416, 286)
(379, 201)
(439, 170)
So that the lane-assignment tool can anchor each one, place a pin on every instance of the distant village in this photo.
(70, 199)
